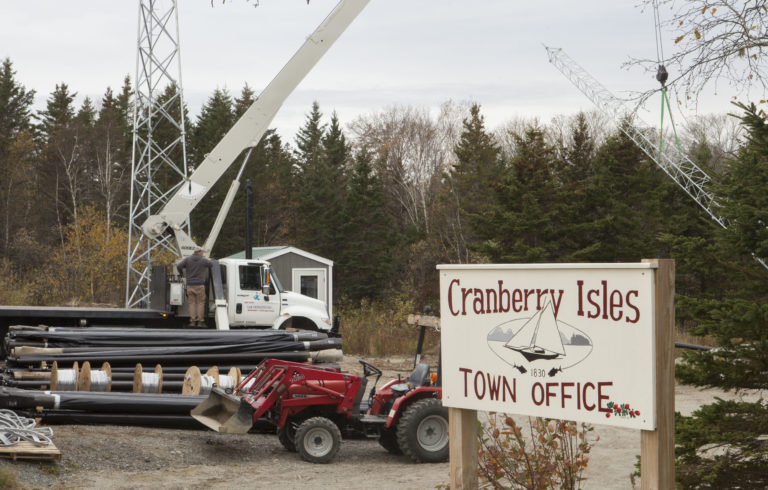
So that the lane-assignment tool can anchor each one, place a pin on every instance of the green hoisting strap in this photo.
(665, 99)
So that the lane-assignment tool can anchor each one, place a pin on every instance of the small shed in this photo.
(298, 271)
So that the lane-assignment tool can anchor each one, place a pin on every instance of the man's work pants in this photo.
(196, 298)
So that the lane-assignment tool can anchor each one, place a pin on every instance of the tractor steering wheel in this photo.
(369, 369)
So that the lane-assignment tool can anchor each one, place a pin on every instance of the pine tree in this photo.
(322, 188)
(576, 175)
(164, 134)
(471, 181)
(518, 225)
(111, 163)
(733, 311)
(86, 115)
(125, 108)
(63, 176)
(309, 137)
(479, 166)
(244, 101)
(15, 104)
(215, 120)
(58, 110)
(633, 201)
(270, 172)
(364, 262)
(16, 153)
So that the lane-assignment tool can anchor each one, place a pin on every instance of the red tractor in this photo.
(313, 406)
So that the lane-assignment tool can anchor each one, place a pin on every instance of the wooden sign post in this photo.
(657, 447)
(585, 342)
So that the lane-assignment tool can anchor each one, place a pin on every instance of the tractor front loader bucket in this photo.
(223, 412)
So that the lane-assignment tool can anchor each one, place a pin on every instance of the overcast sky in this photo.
(398, 52)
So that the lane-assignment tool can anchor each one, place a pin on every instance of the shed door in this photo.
(311, 282)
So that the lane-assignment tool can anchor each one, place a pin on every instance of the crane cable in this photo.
(661, 77)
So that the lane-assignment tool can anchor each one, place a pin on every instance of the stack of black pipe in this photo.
(31, 348)
(76, 407)
(28, 346)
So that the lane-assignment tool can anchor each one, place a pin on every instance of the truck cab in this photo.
(254, 297)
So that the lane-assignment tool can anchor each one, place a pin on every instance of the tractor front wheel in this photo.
(388, 440)
(318, 440)
(287, 435)
(422, 432)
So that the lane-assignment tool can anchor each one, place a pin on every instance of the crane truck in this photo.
(242, 292)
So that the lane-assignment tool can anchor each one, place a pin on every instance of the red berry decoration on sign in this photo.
(621, 410)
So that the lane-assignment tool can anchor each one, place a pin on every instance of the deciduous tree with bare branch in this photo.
(713, 41)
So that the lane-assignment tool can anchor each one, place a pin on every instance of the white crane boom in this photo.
(249, 129)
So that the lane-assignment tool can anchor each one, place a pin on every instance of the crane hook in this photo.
(662, 75)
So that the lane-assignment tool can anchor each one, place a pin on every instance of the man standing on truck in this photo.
(196, 266)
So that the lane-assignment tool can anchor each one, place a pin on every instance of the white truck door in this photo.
(251, 306)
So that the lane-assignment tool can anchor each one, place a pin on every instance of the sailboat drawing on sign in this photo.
(539, 337)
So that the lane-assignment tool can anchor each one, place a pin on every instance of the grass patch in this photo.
(684, 336)
(9, 479)
(380, 328)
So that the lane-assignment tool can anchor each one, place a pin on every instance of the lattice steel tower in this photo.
(159, 161)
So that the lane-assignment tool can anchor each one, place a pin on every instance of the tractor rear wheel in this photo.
(422, 432)
(318, 440)
(388, 440)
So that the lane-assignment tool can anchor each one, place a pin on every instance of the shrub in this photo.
(380, 327)
(553, 454)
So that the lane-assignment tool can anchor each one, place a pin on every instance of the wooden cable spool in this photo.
(95, 380)
(236, 375)
(196, 383)
(148, 382)
(64, 379)
(230, 380)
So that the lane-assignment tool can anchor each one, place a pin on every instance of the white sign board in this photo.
(566, 341)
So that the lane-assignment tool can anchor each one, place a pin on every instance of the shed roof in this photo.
(267, 253)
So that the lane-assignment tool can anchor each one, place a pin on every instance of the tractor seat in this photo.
(419, 375)
(359, 406)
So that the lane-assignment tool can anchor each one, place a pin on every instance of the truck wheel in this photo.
(318, 440)
(422, 432)
(287, 435)
(388, 440)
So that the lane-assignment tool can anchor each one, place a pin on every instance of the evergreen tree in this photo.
(322, 188)
(86, 115)
(244, 101)
(632, 203)
(270, 172)
(309, 137)
(478, 167)
(307, 155)
(165, 137)
(59, 111)
(733, 311)
(215, 120)
(518, 226)
(63, 167)
(15, 104)
(364, 261)
(16, 156)
(576, 175)
(125, 108)
(111, 157)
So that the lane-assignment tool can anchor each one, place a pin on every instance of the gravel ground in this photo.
(112, 457)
